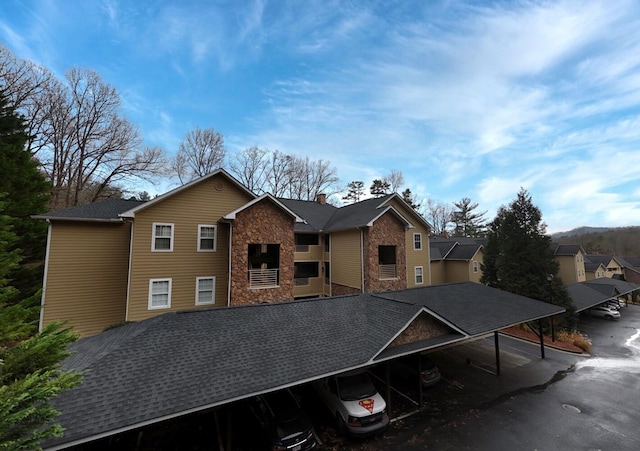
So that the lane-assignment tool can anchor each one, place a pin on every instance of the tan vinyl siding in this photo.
(314, 288)
(202, 204)
(458, 271)
(414, 257)
(568, 268)
(346, 259)
(86, 281)
(437, 272)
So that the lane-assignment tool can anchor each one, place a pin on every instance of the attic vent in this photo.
(218, 186)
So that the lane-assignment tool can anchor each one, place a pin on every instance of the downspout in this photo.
(126, 310)
(44, 281)
(229, 274)
(362, 259)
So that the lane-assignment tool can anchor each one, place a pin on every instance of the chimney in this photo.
(321, 199)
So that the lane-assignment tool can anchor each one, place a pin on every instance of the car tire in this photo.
(341, 427)
(609, 317)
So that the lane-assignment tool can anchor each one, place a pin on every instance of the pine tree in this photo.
(518, 256)
(26, 194)
(379, 188)
(410, 199)
(356, 191)
(29, 364)
(466, 221)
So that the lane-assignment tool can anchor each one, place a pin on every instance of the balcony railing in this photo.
(263, 278)
(387, 272)
(299, 281)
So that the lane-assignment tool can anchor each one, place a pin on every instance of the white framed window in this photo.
(475, 266)
(162, 237)
(207, 237)
(205, 290)
(417, 241)
(419, 276)
(159, 293)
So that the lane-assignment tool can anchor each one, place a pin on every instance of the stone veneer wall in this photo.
(386, 231)
(341, 290)
(261, 223)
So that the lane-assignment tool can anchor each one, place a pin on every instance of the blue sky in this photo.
(465, 98)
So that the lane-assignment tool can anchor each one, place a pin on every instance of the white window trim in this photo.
(213, 292)
(415, 275)
(215, 237)
(153, 237)
(476, 266)
(414, 242)
(159, 307)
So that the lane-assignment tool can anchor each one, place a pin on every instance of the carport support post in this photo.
(387, 376)
(541, 338)
(420, 400)
(497, 346)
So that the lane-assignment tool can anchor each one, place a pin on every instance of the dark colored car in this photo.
(285, 427)
(407, 366)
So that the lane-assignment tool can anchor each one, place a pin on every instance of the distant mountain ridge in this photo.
(583, 231)
(619, 241)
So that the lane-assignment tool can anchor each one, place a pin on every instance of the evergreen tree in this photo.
(518, 256)
(380, 188)
(356, 191)
(410, 199)
(466, 221)
(26, 194)
(29, 365)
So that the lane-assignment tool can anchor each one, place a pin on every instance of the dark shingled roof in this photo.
(474, 308)
(315, 213)
(105, 210)
(566, 249)
(327, 218)
(453, 249)
(178, 363)
(587, 294)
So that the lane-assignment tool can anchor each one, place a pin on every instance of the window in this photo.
(207, 238)
(205, 290)
(302, 271)
(417, 241)
(159, 293)
(419, 275)
(162, 237)
(475, 266)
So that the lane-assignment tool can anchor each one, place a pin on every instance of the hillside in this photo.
(620, 241)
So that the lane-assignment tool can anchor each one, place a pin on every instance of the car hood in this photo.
(366, 406)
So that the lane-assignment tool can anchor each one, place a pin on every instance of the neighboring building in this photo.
(213, 243)
(613, 267)
(571, 259)
(594, 270)
(456, 260)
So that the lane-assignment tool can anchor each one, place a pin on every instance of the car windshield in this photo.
(355, 387)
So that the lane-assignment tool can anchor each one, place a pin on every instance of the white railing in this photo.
(387, 272)
(263, 278)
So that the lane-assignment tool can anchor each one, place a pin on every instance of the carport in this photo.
(182, 363)
(585, 295)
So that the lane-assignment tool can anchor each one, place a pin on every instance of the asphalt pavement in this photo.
(563, 402)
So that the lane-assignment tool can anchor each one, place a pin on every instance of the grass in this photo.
(575, 338)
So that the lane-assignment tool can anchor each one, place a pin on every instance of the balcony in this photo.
(386, 272)
(263, 278)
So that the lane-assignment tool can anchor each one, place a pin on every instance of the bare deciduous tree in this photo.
(92, 147)
(395, 179)
(438, 214)
(250, 166)
(77, 132)
(308, 178)
(200, 153)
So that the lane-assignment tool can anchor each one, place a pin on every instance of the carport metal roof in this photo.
(585, 295)
(179, 363)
